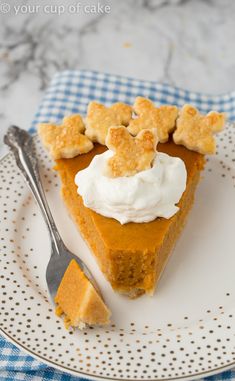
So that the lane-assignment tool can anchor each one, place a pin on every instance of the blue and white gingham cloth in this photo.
(70, 92)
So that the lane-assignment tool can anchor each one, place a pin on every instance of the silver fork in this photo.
(22, 146)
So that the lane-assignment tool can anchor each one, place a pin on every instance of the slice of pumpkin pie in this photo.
(130, 197)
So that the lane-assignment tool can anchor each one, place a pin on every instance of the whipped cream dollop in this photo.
(140, 198)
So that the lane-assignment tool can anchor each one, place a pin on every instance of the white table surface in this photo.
(187, 43)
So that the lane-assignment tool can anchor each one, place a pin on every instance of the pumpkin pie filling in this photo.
(131, 256)
(78, 301)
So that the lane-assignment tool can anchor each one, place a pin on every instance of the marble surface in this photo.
(187, 43)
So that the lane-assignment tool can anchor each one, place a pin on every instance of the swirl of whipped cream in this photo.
(140, 198)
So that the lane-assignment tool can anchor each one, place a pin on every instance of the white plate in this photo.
(185, 330)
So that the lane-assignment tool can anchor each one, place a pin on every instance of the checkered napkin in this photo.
(70, 92)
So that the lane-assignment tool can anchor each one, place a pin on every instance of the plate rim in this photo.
(99, 378)
(88, 376)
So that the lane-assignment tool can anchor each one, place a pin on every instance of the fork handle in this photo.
(22, 147)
